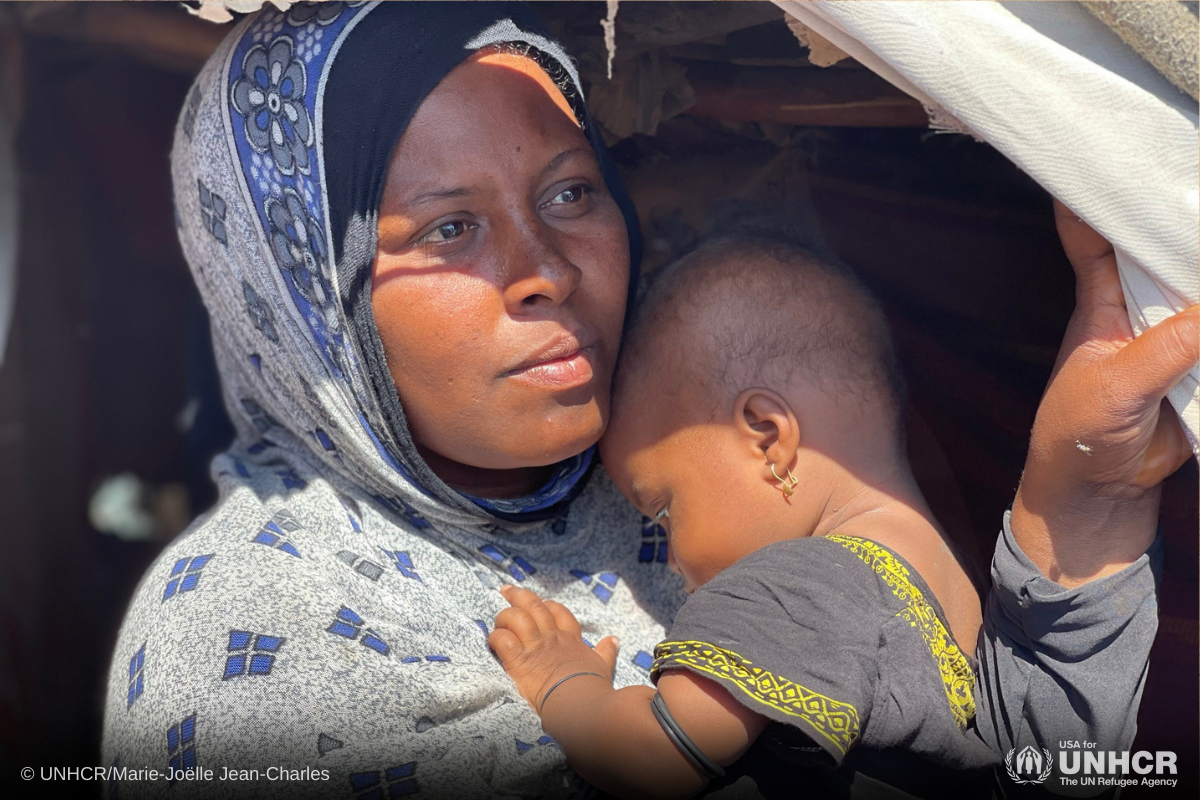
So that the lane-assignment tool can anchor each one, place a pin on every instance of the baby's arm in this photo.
(610, 736)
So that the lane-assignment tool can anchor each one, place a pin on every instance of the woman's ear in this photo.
(768, 423)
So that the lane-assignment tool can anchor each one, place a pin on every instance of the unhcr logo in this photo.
(1089, 766)
(1029, 765)
(1083, 763)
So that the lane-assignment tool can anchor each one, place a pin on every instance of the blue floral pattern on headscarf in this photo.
(269, 94)
(273, 102)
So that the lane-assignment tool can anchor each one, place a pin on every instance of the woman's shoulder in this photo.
(278, 535)
(243, 557)
(272, 599)
(243, 528)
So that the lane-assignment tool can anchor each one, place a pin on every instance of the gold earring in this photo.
(788, 484)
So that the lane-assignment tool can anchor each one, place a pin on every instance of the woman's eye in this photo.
(444, 233)
(572, 194)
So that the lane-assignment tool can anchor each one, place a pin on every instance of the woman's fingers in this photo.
(1150, 365)
(607, 649)
(1092, 258)
(563, 618)
(1167, 451)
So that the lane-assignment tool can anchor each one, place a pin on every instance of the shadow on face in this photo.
(500, 278)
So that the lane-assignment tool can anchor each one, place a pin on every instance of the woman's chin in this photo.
(507, 441)
(554, 438)
(559, 445)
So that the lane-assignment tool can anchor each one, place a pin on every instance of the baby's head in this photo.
(753, 364)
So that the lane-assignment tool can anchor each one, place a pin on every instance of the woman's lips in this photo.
(569, 368)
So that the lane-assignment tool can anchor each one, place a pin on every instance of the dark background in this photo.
(108, 345)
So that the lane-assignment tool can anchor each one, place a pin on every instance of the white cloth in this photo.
(1069, 103)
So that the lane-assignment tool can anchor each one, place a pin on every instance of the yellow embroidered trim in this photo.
(958, 678)
(834, 720)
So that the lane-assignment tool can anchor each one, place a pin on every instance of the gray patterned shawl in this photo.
(326, 623)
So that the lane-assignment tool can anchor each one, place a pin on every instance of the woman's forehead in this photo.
(499, 59)
(481, 122)
(495, 96)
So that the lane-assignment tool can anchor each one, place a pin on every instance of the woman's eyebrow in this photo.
(440, 194)
(462, 191)
(558, 160)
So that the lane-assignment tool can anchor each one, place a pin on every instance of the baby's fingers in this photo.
(607, 649)
(563, 618)
(532, 605)
(518, 622)
(506, 645)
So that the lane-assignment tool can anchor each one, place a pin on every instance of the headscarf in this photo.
(332, 609)
(317, 99)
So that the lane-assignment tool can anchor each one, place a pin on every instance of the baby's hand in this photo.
(539, 643)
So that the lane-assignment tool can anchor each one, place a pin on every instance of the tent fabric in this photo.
(1066, 100)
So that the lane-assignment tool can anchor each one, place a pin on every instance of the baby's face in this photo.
(691, 473)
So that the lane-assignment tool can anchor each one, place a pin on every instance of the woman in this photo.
(402, 202)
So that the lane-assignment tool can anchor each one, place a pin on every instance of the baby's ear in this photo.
(769, 425)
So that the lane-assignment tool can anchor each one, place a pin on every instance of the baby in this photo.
(758, 418)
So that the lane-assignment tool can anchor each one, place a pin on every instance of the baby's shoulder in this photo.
(796, 598)
(852, 574)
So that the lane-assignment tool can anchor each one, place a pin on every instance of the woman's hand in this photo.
(1104, 437)
(539, 643)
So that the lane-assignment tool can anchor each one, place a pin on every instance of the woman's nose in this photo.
(538, 273)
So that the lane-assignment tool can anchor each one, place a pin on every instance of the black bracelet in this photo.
(559, 683)
(681, 740)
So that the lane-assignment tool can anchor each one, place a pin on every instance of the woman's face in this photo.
(501, 273)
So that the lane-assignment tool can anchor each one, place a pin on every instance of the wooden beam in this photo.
(819, 97)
